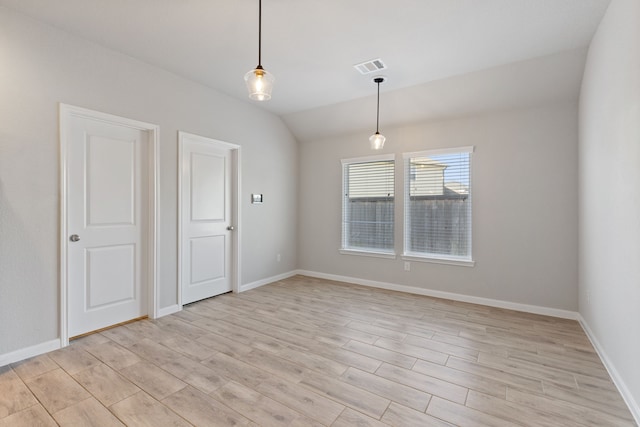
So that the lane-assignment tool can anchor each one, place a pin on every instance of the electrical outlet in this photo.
(588, 297)
(278, 258)
(407, 266)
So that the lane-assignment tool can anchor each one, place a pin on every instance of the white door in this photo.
(206, 228)
(105, 220)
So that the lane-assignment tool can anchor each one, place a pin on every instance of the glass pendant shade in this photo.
(259, 84)
(377, 141)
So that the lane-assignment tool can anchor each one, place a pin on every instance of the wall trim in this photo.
(266, 281)
(28, 352)
(165, 311)
(535, 309)
(633, 406)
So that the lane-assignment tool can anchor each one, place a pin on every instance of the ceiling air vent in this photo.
(370, 66)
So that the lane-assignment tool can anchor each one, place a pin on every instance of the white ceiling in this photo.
(539, 81)
(311, 45)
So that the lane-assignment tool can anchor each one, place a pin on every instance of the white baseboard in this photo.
(165, 311)
(262, 282)
(634, 406)
(546, 311)
(26, 353)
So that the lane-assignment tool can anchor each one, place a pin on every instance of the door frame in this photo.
(235, 206)
(150, 223)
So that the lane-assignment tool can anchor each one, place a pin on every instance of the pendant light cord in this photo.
(259, 33)
(378, 109)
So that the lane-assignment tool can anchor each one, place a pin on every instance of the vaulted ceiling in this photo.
(443, 57)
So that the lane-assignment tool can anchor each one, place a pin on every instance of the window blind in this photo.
(437, 204)
(368, 204)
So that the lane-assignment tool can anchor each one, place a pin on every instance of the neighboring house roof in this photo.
(424, 162)
(457, 187)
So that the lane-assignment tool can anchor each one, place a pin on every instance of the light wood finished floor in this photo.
(310, 352)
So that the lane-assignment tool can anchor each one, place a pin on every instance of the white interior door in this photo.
(105, 221)
(206, 228)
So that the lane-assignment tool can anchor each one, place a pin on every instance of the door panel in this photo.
(104, 194)
(105, 285)
(205, 218)
(208, 185)
(207, 259)
(110, 197)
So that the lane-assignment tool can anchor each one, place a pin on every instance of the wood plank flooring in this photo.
(311, 352)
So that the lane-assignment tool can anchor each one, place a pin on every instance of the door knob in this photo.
(231, 228)
(74, 237)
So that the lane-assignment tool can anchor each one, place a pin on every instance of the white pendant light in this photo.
(259, 81)
(377, 140)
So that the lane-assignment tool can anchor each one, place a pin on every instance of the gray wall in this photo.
(525, 232)
(41, 67)
(610, 193)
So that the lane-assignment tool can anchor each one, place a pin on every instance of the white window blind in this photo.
(437, 204)
(368, 204)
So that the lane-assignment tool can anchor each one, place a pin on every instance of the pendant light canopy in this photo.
(377, 140)
(259, 81)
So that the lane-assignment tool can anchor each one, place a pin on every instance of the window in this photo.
(437, 205)
(368, 206)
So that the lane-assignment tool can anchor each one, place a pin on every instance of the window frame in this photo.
(344, 249)
(408, 255)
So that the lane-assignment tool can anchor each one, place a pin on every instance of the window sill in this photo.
(443, 260)
(368, 253)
